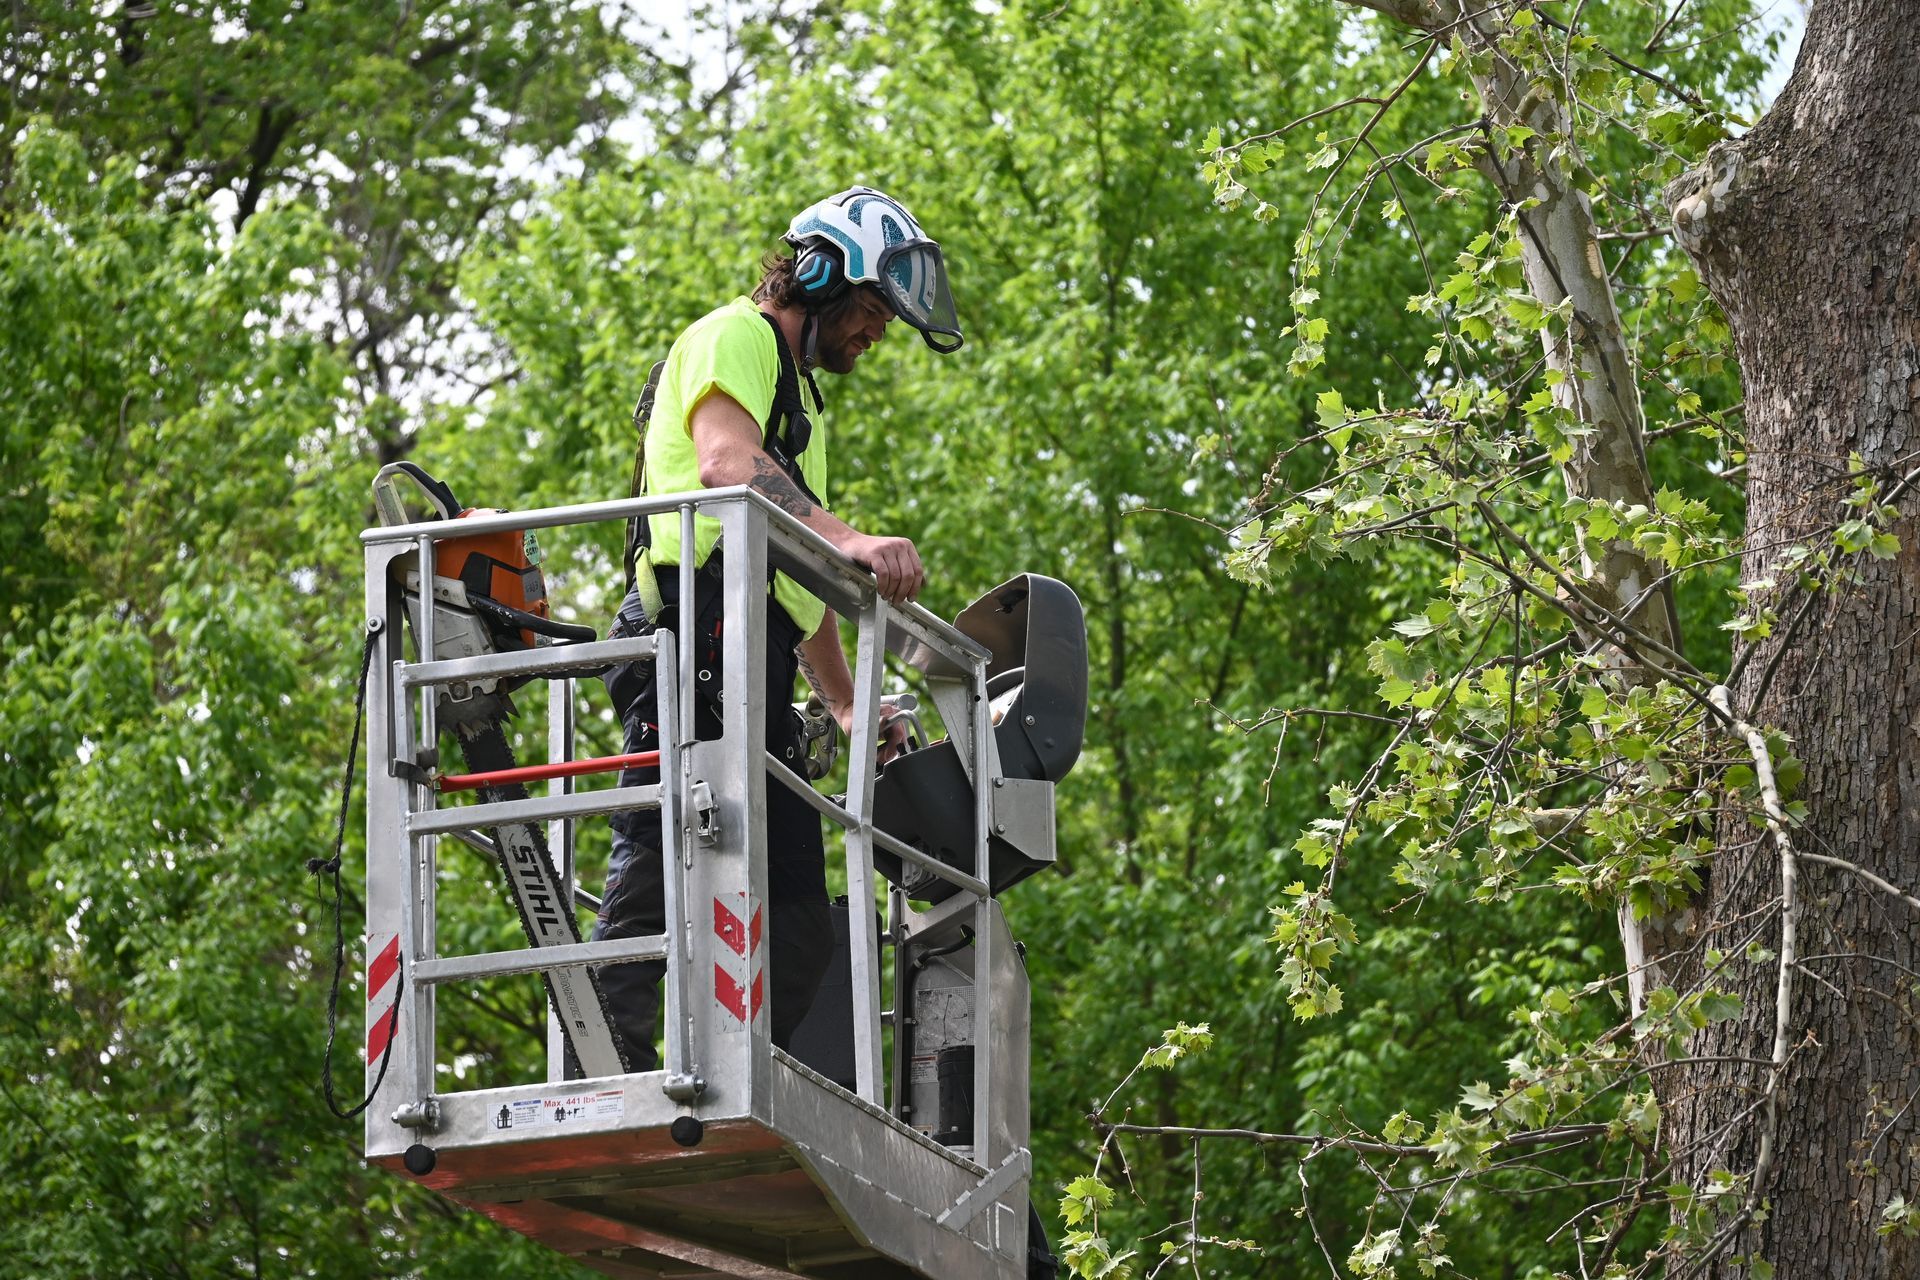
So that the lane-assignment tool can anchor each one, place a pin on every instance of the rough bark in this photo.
(1807, 233)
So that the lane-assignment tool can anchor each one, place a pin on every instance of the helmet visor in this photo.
(914, 279)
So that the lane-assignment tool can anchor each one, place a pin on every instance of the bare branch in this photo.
(1884, 885)
(1308, 118)
(1306, 1206)
(1666, 25)
(1777, 822)
(1318, 1142)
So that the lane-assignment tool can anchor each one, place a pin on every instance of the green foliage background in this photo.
(244, 260)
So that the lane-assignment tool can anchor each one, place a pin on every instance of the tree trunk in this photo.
(1560, 253)
(1807, 232)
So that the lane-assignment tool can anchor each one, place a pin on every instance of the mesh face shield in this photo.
(914, 279)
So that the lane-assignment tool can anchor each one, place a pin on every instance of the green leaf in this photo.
(1330, 409)
(1084, 1198)
(1684, 287)
(1460, 285)
(1399, 1123)
(1900, 1217)
(1527, 313)
(1314, 850)
(1594, 702)
(1373, 1254)
(1719, 1006)
(1091, 1257)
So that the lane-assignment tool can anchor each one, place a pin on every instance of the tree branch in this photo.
(269, 132)
(1318, 1142)
(1777, 822)
(1884, 885)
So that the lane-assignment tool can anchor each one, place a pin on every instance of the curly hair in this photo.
(778, 286)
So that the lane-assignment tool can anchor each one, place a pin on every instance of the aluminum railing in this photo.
(710, 799)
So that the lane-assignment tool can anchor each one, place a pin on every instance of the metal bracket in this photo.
(424, 1114)
(1023, 816)
(954, 701)
(985, 1192)
(709, 827)
(420, 772)
(684, 1087)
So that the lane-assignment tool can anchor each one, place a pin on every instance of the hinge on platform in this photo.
(709, 827)
(419, 770)
(424, 1114)
(683, 1086)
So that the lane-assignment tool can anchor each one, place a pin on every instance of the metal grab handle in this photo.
(907, 708)
(683, 1083)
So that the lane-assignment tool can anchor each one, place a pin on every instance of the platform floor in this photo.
(747, 1203)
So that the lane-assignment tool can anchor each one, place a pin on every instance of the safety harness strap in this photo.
(637, 533)
(785, 436)
(789, 430)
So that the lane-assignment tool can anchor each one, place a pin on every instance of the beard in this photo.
(837, 346)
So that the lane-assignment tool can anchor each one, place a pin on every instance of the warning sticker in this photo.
(925, 1069)
(556, 1113)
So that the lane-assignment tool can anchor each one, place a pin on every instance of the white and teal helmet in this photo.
(862, 236)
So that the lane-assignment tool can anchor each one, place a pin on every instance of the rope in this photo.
(331, 867)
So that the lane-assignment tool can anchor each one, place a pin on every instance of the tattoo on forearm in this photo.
(770, 480)
(812, 676)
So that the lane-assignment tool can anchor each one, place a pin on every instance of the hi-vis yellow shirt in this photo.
(730, 350)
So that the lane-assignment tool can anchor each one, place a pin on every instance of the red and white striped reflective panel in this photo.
(381, 969)
(743, 939)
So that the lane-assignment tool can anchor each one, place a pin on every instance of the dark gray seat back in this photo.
(1038, 634)
(1037, 680)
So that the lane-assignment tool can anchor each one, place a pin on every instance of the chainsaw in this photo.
(489, 596)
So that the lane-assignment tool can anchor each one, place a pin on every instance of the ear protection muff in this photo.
(821, 272)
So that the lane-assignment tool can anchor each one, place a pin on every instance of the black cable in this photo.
(520, 619)
(966, 939)
(331, 866)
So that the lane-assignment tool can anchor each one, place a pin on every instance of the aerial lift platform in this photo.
(894, 1141)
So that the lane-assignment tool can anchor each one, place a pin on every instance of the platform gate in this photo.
(772, 1170)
